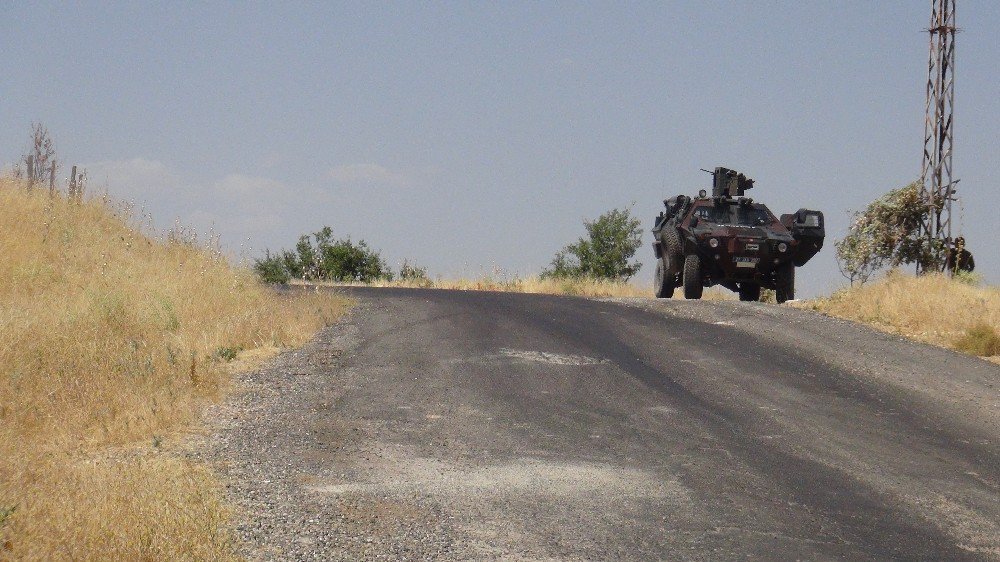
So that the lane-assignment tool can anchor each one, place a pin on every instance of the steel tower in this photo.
(937, 187)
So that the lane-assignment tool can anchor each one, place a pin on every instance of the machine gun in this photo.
(729, 183)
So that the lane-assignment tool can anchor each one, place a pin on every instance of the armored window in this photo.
(718, 215)
(749, 216)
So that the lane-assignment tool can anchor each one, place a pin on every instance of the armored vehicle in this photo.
(728, 239)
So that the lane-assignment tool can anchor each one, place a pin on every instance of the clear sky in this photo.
(469, 135)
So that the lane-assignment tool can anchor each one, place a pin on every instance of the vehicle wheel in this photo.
(692, 277)
(785, 290)
(673, 250)
(749, 292)
(663, 283)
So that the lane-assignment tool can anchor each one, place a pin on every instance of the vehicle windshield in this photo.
(733, 214)
(748, 216)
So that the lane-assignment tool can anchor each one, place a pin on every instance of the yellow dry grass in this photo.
(586, 287)
(931, 308)
(111, 343)
(580, 287)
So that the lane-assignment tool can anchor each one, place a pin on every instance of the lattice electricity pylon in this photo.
(937, 188)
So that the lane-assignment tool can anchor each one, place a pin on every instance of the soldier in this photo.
(959, 258)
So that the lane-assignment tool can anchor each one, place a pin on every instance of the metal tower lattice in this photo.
(937, 188)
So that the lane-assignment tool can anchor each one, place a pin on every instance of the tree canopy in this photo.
(612, 239)
(885, 234)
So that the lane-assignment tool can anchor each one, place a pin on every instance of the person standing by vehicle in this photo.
(959, 258)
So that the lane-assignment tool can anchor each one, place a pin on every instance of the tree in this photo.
(611, 242)
(290, 262)
(40, 158)
(308, 264)
(886, 233)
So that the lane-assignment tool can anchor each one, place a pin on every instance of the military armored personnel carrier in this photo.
(727, 239)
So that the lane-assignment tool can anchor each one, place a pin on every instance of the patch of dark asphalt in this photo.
(887, 528)
(457, 425)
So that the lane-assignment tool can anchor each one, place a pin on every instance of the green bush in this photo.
(322, 257)
(968, 278)
(228, 353)
(414, 274)
(611, 242)
(271, 269)
(887, 234)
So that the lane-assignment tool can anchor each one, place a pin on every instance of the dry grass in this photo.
(111, 343)
(933, 309)
(599, 288)
(580, 287)
(981, 339)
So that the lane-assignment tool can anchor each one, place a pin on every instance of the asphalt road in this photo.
(469, 426)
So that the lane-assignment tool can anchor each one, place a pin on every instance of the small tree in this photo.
(308, 263)
(291, 264)
(40, 158)
(885, 234)
(611, 242)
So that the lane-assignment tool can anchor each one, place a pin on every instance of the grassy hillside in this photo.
(111, 343)
(933, 309)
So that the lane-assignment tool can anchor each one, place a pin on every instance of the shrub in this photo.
(228, 353)
(611, 242)
(323, 257)
(272, 269)
(414, 275)
(886, 233)
(968, 278)
(981, 339)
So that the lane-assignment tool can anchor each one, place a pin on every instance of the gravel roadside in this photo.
(272, 440)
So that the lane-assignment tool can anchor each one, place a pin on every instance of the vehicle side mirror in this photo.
(694, 222)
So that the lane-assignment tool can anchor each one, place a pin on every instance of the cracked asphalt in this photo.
(449, 425)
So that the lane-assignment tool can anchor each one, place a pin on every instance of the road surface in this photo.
(456, 425)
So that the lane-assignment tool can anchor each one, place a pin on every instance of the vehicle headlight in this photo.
(713, 243)
(782, 247)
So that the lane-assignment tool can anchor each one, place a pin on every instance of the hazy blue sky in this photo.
(470, 134)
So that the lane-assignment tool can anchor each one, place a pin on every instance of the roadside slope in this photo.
(933, 309)
(112, 343)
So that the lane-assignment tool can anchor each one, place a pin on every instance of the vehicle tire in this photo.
(749, 292)
(673, 251)
(785, 290)
(663, 283)
(692, 277)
